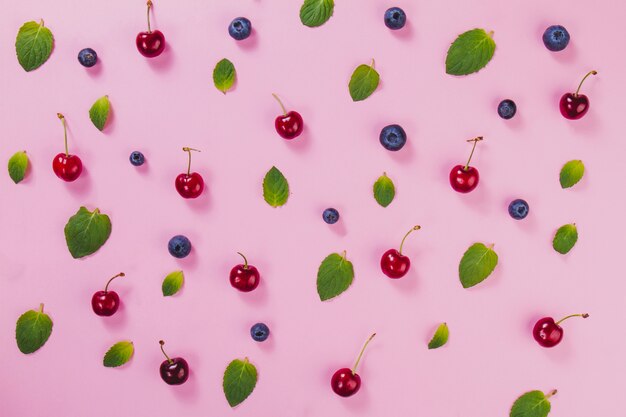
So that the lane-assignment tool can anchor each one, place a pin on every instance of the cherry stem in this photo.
(584, 316)
(41, 307)
(149, 4)
(281, 104)
(188, 150)
(358, 359)
(583, 80)
(551, 393)
(106, 287)
(163, 350)
(418, 227)
(245, 261)
(60, 116)
(475, 140)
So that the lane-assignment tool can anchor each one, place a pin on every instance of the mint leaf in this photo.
(565, 238)
(477, 264)
(33, 45)
(440, 337)
(86, 232)
(532, 404)
(364, 82)
(172, 283)
(224, 75)
(315, 13)
(99, 112)
(384, 190)
(571, 173)
(470, 52)
(32, 330)
(18, 164)
(334, 276)
(239, 381)
(275, 188)
(118, 354)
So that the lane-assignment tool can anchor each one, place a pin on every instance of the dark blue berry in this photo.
(393, 137)
(518, 209)
(395, 18)
(507, 109)
(137, 158)
(240, 28)
(260, 332)
(556, 38)
(330, 216)
(179, 246)
(87, 57)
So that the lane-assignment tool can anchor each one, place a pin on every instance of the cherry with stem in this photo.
(345, 382)
(66, 166)
(393, 263)
(289, 124)
(573, 106)
(244, 277)
(549, 333)
(105, 303)
(150, 43)
(190, 184)
(174, 371)
(464, 178)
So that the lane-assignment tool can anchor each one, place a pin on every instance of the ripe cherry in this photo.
(65, 166)
(173, 371)
(105, 303)
(345, 381)
(191, 184)
(573, 106)
(244, 277)
(464, 179)
(548, 333)
(151, 43)
(289, 125)
(393, 263)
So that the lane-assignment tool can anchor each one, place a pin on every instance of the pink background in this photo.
(163, 104)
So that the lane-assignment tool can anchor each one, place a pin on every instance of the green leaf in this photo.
(470, 52)
(32, 330)
(275, 188)
(224, 75)
(99, 112)
(315, 13)
(118, 354)
(364, 82)
(477, 264)
(571, 173)
(532, 404)
(440, 337)
(86, 232)
(384, 190)
(239, 381)
(565, 238)
(172, 283)
(33, 45)
(334, 276)
(17, 166)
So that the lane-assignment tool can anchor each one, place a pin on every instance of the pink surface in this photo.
(170, 102)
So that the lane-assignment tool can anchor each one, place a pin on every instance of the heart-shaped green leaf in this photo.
(99, 112)
(440, 337)
(532, 404)
(275, 188)
(364, 82)
(224, 75)
(86, 232)
(18, 164)
(315, 13)
(334, 276)
(33, 45)
(571, 173)
(384, 190)
(565, 238)
(32, 330)
(118, 354)
(240, 378)
(470, 52)
(477, 264)
(172, 283)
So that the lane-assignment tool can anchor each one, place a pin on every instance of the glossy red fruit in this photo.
(548, 333)
(65, 166)
(345, 382)
(573, 106)
(174, 371)
(393, 263)
(152, 42)
(190, 184)
(464, 178)
(105, 303)
(244, 277)
(289, 125)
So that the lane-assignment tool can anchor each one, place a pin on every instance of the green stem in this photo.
(41, 307)
(584, 316)
(188, 150)
(149, 4)
(361, 354)
(583, 80)
(106, 287)
(475, 140)
(60, 116)
(245, 261)
(163, 350)
(281, 104)
(407, 234)
(373, 63)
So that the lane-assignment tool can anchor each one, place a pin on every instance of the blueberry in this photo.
(556, 38)
(179, 246)
(395, 18)
(507, 109)
(392, 137)
(518, 209)
(87, 57)
(240, 28)
(260, 332)
(137, 158)
(330, 216)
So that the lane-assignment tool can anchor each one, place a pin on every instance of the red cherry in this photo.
(173, 371)
(464, 179)
(289, 125)
(105, 303)
(573, 106)
(548, 333)
(393, 263)
(191, 184)
(150, 43)
(345, 382)
(65, 166)
(244, 277)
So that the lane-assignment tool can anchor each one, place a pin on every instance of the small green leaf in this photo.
(17, 166)
(239, 381)
(172, 283)
(565, 238)
(364, 82)
(33, 45)
(32, 330)
(334, 276)
(571, 173)
(477, 264)
(440, 337)
(224, 75)
(99, 112)
(275, 188)
(384, 190)
(86, 232)
(470, 52)
(118, 354)
(315, 13)
(532, 404)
